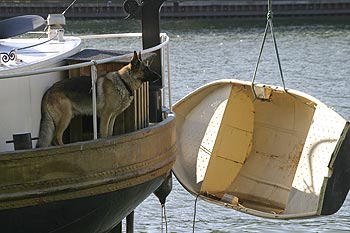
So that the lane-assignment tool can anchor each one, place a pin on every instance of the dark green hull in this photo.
(87, 186)
(98, 213)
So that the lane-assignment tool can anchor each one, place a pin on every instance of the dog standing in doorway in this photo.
(70, 97)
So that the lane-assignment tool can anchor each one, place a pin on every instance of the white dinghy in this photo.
(262, 150)
(281, 155)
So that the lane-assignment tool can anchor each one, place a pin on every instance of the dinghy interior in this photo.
(282, 155)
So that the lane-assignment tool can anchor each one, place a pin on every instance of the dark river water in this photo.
(315, 56)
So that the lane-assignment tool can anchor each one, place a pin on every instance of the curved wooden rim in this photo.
(99, 186)
(118, 169)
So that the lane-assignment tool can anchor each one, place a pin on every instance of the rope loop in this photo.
(94, 63)
(269, 15)
(269, 25)
(93, 71)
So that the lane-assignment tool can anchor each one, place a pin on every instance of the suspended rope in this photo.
(164, 219)
(72, 3)
(269, 24)
(194, 213)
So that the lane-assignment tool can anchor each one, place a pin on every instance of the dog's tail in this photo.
(47, 126)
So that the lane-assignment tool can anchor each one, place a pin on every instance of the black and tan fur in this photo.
(70, 97)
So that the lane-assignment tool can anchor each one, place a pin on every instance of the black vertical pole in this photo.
(130, 223)
(150, 38)
(117, 228)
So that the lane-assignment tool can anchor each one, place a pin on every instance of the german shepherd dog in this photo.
(70, 97)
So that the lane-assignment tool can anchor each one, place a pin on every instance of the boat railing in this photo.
(165, 63)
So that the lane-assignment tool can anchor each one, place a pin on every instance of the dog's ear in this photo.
(134, 57)
(150, 61)
(140, 56)
(135, 62)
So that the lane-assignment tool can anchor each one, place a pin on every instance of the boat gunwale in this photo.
(94, 182)
(89, 144)
(72, 191)
(164, 42)
(222, 82)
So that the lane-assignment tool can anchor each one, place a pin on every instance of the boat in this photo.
(89, 184)
(262, 150)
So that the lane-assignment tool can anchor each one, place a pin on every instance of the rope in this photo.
(269, 24)
(68, 7)
(194, 213)
(12, 55)
(93, 71)
(277, 55)
(165, 219)
(44, 42)
(259, 57)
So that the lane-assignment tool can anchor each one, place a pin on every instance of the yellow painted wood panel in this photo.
(239, 111)
(233, 142)
(223, 174)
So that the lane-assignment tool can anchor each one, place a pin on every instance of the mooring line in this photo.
(194, 213)
(165, 219)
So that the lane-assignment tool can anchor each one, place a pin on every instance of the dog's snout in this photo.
(151, 75)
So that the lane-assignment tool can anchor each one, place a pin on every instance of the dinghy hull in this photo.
(277, 156)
